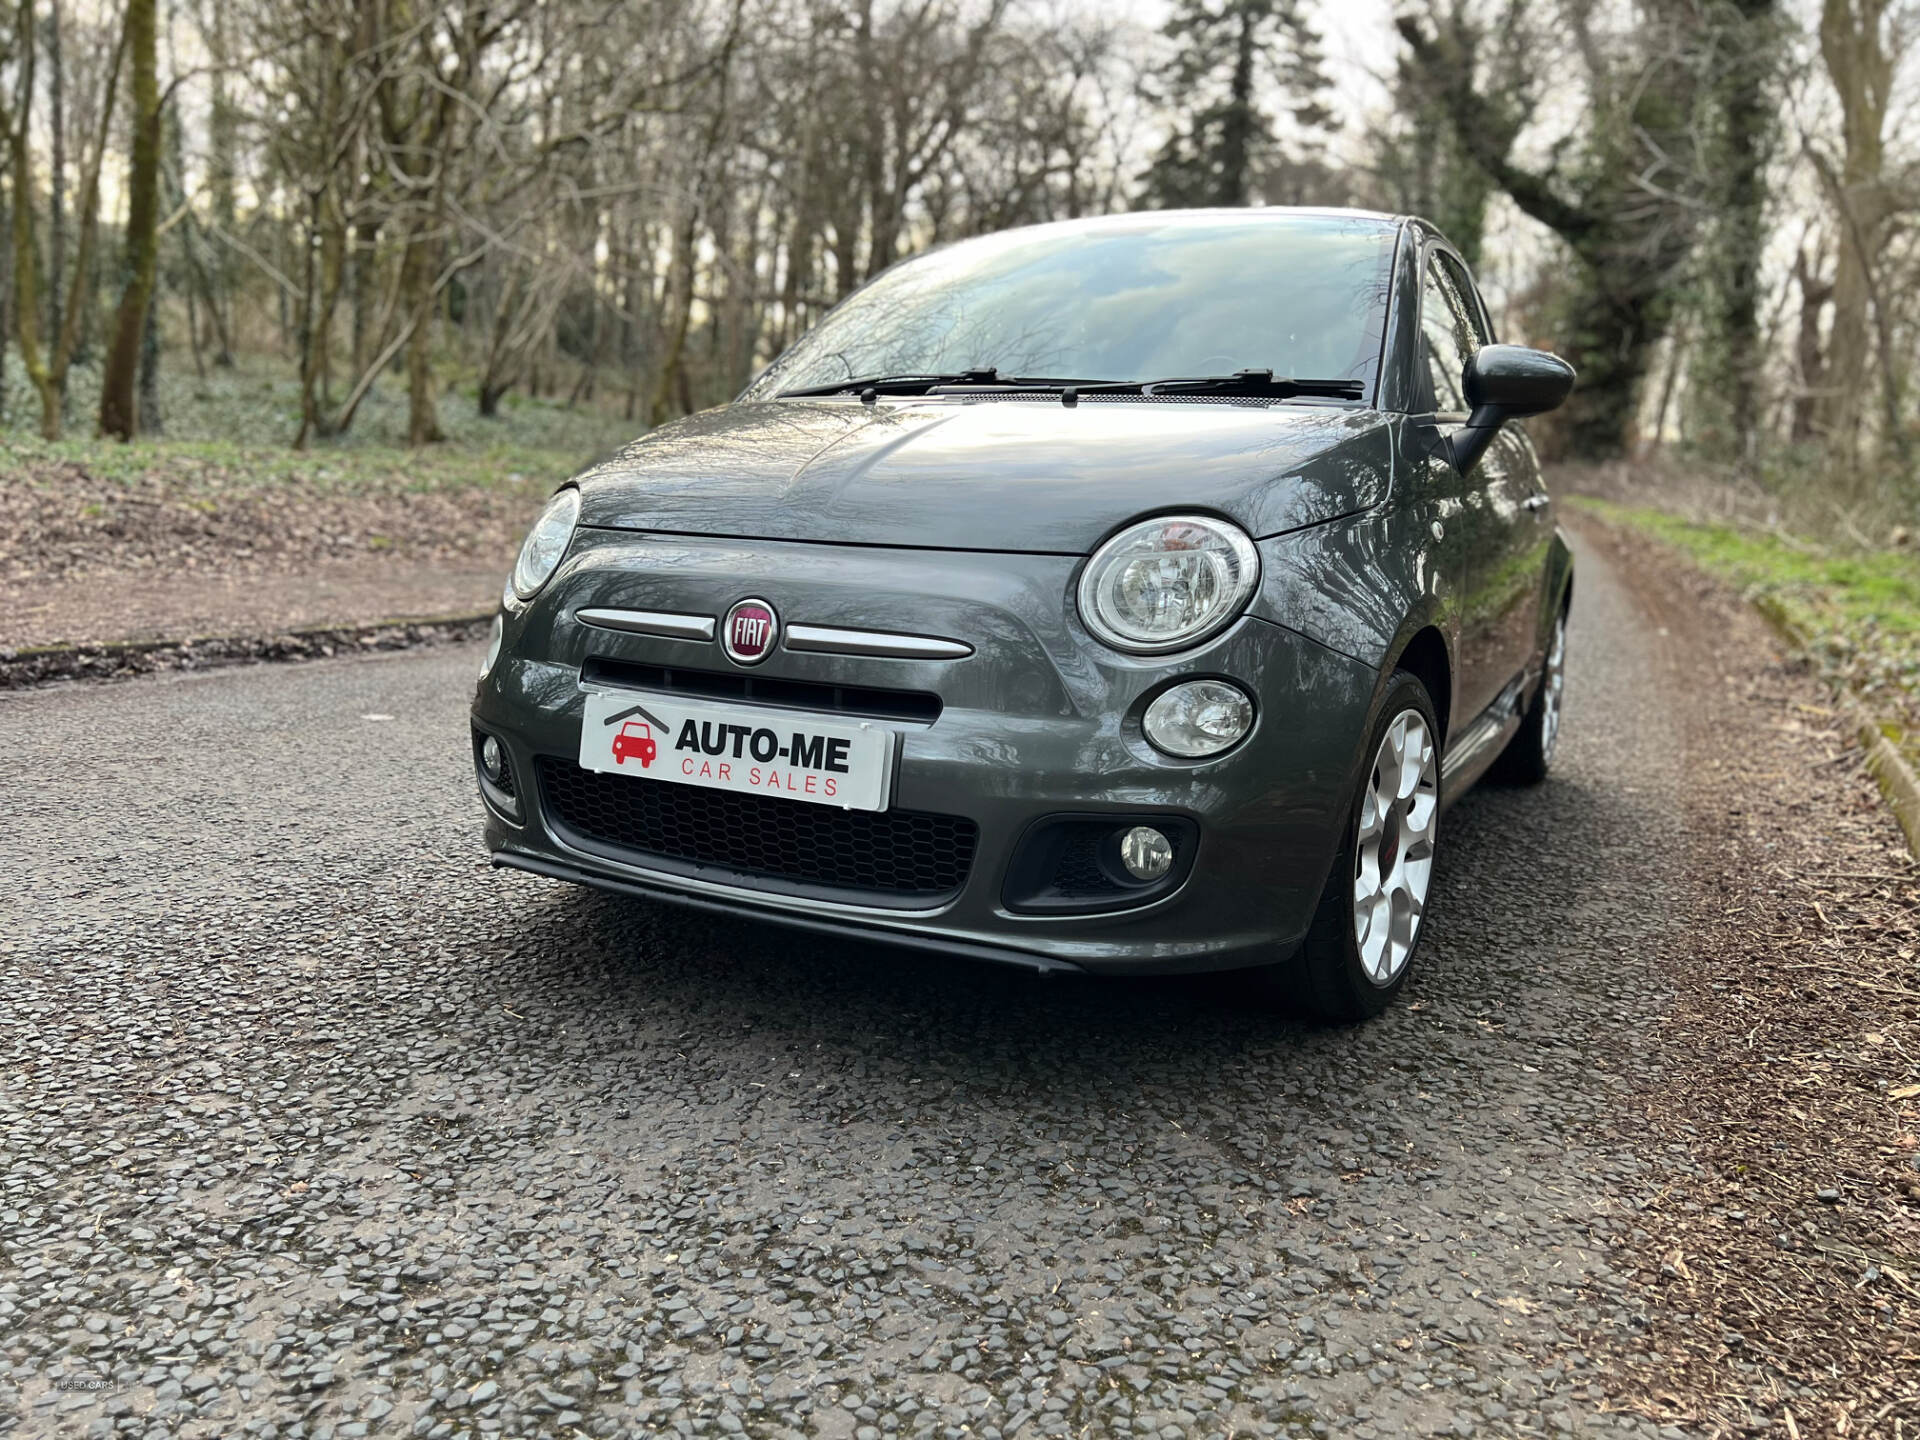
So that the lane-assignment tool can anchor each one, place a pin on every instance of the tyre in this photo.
(1360, 947)
(1529, 755)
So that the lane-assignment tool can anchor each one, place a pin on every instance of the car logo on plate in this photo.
(750, 632)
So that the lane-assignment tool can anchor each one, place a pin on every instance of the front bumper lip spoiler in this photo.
(884, 935)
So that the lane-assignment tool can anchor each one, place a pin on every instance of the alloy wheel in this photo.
(1393, 860)
(1553, 685)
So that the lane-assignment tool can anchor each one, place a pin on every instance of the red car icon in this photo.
(635, 739)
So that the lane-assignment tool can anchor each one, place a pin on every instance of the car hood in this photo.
(987, 475)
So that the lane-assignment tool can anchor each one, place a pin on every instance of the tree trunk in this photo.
(1657, 433)
(1611, 339)
(629, 308)
(1742, 97)
(222, 131)
(47, 367)
(24, 270)
(366, 236)
(151, 422)
(311, 419)
(119, 416)
(1856, 58)
(6, 299)
(1236, 126)
(1808, 351)
(667, 383)
(173, 196)
(57, 179)
(423, 301)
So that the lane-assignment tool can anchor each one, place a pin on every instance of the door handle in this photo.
(1538, 502)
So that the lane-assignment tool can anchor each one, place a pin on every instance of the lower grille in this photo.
(892, 856)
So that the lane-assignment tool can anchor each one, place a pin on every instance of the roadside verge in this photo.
(1890, 769)
(44, 664)
(1865, 636)
(1773, 1250)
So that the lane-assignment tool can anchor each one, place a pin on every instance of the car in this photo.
(635, 741)
(1116, 596)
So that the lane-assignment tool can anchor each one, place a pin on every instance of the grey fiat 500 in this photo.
(1123, 595)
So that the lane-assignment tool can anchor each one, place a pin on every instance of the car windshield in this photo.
(1137, 298)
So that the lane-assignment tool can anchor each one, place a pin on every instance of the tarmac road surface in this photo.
(313, 1125)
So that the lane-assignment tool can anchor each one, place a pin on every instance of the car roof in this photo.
(1249, 215)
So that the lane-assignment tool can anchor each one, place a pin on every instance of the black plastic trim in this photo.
(504, 799)
(1030, 886)
(920, 707)
(939, 945)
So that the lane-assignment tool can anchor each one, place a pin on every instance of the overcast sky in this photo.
(1358, 35)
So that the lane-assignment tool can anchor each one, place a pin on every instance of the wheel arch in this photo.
(1559, 582)
(1425, 654)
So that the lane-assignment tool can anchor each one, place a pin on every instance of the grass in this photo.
(232, 430)
(1857, 610)
(226, 466)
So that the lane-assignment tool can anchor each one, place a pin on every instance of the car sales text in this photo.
(727, 743)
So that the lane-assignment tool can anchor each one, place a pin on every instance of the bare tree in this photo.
(1861, 42)
(47, 360)
(119, 414)
(1621, 192)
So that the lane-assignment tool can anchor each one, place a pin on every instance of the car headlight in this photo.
(1168, 583)
(1198, 719)
(545, 544)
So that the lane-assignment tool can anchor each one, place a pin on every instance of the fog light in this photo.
(1199, 718)
(493, 759)
(1146, 853)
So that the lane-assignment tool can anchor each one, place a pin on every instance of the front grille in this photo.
(891, 856)
(917, 705)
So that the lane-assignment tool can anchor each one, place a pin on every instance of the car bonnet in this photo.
(1002, 475)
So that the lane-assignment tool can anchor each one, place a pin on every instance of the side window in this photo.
(1451, 319)
(1448, 335)
(1466, 298)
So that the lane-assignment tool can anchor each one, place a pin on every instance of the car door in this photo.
(1480, 525)
(1509, 594)
(1516, 602)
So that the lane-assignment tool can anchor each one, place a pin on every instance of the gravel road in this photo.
(315, 1126)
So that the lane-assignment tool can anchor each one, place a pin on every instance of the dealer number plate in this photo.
(749, 750)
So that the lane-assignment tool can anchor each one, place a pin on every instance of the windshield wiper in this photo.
(898, 384)
(1258, 384)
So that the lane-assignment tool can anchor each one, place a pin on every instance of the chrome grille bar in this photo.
(664, 623)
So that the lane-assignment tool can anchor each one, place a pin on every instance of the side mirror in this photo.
(1506, 382)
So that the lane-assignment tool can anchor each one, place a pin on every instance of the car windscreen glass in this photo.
(1146, 296)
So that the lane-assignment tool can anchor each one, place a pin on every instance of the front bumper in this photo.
(1039, 722)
